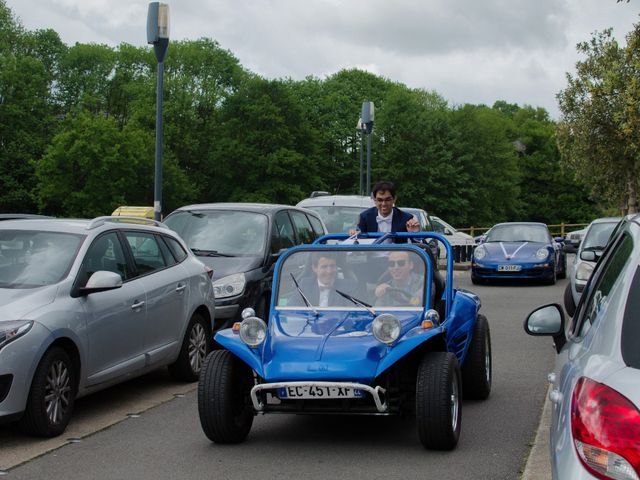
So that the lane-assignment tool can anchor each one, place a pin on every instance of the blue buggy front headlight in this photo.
(386, 328)
(253, 331)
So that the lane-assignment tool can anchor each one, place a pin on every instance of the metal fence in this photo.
(557, 230)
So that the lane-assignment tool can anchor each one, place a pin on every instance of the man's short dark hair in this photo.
(316, 256)
(384, 187)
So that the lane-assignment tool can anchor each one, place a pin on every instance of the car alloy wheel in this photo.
(197, 347)
(58, 391)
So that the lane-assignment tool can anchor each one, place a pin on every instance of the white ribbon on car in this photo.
(506, 255)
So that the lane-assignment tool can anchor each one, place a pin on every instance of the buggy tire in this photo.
(52, 395)
(438, 401)
(196, 345)
(224, 406)
(477, 369)
(569, 303)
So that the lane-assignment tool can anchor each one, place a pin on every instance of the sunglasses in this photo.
(397, 263)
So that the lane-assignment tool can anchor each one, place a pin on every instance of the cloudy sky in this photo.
(469, 51)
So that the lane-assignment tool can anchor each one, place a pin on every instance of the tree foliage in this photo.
(599, 132)
(77, 135)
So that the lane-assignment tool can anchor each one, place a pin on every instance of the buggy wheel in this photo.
(438, 402)
(196, 344)
(477, 371)
(224, 406)
(52, 395)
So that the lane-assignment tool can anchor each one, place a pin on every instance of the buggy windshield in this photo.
(352, 279)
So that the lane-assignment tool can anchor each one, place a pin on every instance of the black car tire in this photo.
(438, 401)
(563, 272)
(477, 369)
(552, 280)
(52, 394)
(224, 405)
(196, 345)
(569, 304)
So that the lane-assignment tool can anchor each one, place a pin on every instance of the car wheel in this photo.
(563, 272)
(552, 279)
(569, 303)
(196, 344)
(52, 395)
(477, 371)
(438, 401)
(224, 405)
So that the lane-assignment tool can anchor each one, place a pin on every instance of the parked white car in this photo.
(339, 213)
(454, 236)
(591, 247)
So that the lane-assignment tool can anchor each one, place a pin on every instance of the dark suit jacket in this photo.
(309, 287)
(367, 222)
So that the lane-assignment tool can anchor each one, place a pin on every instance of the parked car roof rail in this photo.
(99, 221)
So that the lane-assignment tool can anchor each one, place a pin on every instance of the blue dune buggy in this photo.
(360, 328)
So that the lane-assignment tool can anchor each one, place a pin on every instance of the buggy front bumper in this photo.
(377, 392)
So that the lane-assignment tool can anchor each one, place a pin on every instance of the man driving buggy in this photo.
(402, 285)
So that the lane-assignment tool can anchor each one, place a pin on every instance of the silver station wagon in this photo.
(595, 388)
(85, 304)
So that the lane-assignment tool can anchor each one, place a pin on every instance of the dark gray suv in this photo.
(242, 242)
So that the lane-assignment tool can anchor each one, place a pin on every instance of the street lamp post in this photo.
(158, 35)
(360, 127)
(367, 117)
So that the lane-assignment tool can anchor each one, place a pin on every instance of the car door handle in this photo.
(137, 305)
(180, 288)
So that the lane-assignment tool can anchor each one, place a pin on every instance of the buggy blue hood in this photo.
(333, 345)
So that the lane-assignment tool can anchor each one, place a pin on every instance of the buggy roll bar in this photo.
(411, 236)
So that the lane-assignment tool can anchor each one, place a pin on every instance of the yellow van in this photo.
(144, 212)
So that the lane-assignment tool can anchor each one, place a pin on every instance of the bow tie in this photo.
(381, 219)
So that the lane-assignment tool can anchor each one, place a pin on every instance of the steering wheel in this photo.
(400, 294)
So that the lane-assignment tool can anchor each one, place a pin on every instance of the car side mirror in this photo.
(547, 320)
(588, 255)
(101, 281)
(558, 239)
(447, 231)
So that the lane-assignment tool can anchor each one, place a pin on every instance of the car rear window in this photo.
(631, 325)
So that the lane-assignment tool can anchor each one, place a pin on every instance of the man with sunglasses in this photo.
(385, 217)
(404, 287)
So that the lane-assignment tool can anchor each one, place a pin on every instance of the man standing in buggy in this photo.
(385, 216)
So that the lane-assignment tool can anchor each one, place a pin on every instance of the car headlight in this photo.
(542, 253)
(479, 253)
(386, 328)
(253, 331)
(229, 286)
(584, 270)
(9, 331)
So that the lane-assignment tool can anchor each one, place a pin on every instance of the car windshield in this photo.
(352, 279)
(518, 233)
(598, 236)
(221, 232)
(338, 219)
(30, 259)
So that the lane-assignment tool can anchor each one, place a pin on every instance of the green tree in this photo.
(92, 166)
(599, 131)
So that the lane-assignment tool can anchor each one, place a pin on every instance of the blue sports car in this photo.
(522, 250)
(358, 328)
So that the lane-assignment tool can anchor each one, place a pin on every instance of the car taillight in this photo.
(209, 271)
(606, 431)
